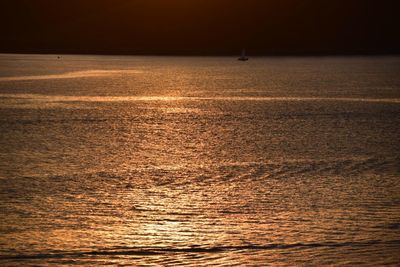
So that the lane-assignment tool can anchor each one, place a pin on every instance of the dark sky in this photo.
(200, 26)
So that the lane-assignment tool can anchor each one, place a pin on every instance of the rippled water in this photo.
(199, 161)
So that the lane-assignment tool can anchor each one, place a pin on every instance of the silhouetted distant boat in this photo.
(243, 56)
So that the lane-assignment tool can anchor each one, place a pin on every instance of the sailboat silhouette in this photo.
(243, 56)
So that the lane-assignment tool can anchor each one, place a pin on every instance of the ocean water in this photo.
(199, 161)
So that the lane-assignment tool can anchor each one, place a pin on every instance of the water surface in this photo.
(199, 161)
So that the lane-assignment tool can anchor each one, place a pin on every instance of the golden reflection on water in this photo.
(196, 178)
(66, 98)
(71, 75)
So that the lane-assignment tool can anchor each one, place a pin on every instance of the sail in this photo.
(243, 56)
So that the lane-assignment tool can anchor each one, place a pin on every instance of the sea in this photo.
(199, 161)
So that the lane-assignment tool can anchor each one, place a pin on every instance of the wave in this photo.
(149, 251)
(69, 75)
(345, 166)
(354, 166)
(65, 98)
(227, 171)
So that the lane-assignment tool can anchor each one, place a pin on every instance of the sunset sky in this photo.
(200, 26)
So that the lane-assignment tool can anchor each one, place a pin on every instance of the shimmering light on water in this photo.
(199, 161)
(69, 75)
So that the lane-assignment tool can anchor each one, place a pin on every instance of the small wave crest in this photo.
(306, 168)
(149, 251)
(69, 75)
